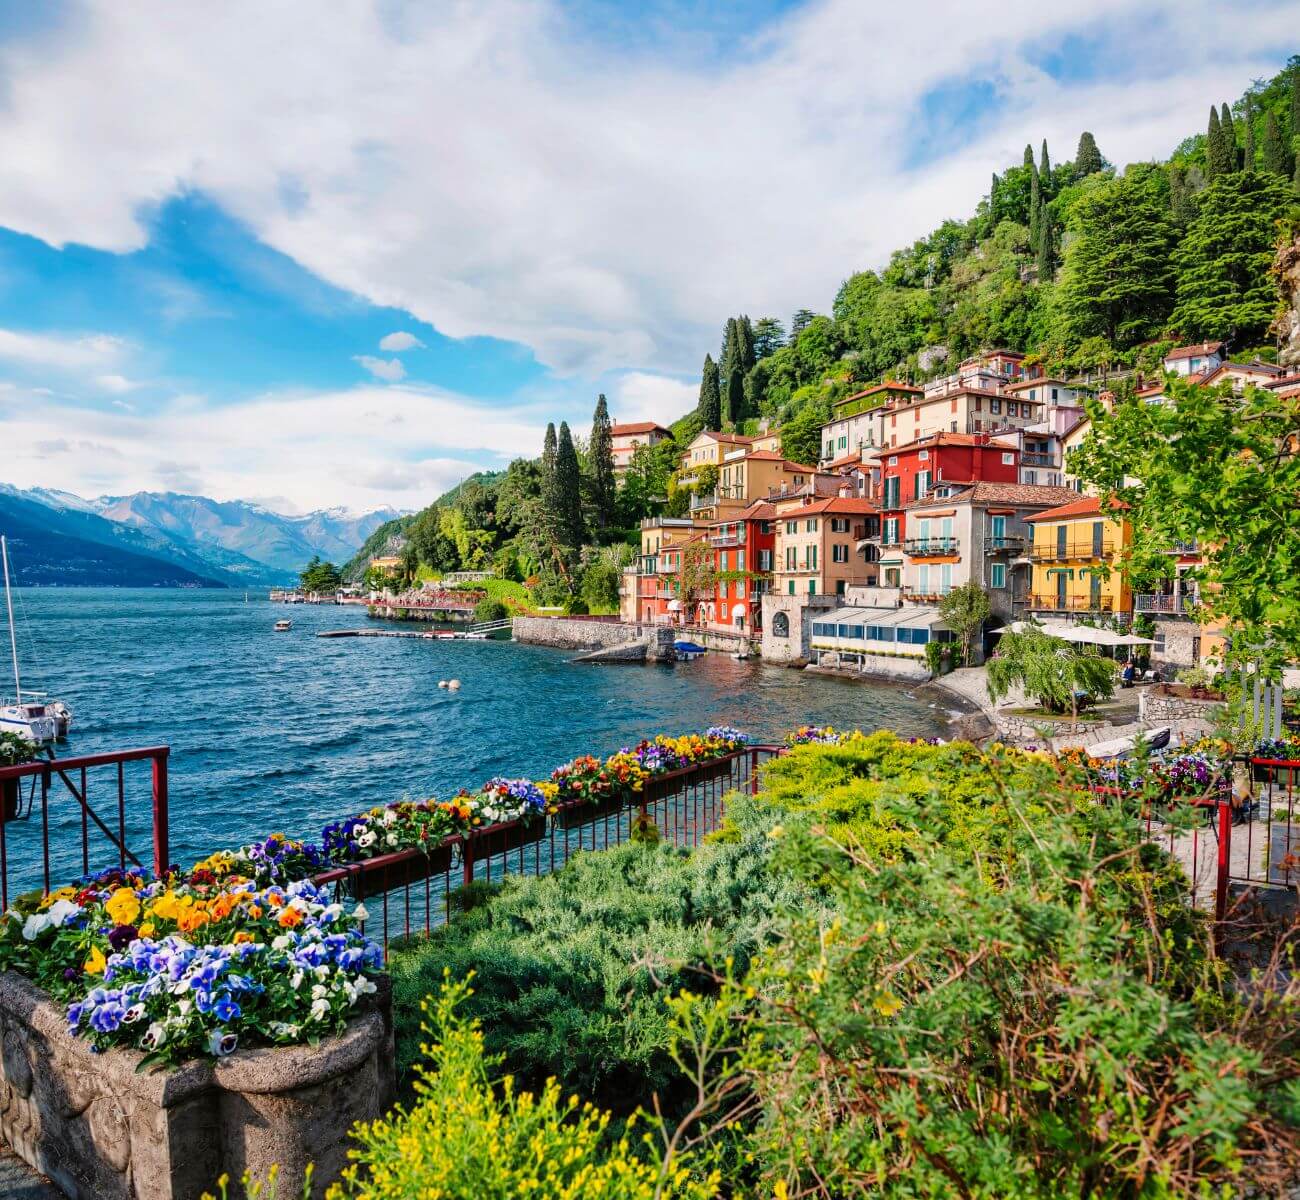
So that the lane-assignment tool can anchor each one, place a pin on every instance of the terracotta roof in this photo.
(852, 505)
(633, 427)
(890, 385)
(760, 510)
(1267, 369)
(847, 460)
(1018, 494)
(1192, 351)
(1042, 379)
(772, 456)
(943, 438)
(1084, 506)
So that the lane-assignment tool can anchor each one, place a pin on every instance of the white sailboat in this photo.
(32, 719)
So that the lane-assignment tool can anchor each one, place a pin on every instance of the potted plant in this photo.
(14, 751)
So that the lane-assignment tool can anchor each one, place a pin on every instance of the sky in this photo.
(346, 254)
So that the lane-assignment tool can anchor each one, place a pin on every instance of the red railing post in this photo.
(161, 849)
(1225, 860)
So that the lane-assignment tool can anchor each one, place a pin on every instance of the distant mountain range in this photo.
(168, 539)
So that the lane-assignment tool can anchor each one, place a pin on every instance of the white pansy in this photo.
(35, 925)
(361, 913)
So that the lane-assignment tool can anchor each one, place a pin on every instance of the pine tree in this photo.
(1045, 172)
(1248, 150)
(802, 318)
(1035, 202)
(1214, 148)
(735, 399)
(600, 454)
(1087, 158)
(769, 337)
(567, 517)
(1275, 155)
(710, 406)
(1229, 137)
(1181, 204)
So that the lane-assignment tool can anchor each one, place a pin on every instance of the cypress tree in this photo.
(1214, 151)
(1275, 155)
(735, 398)
(1087, 158)
(730, 348)
(1046, 248)
(1029, 155)
(600, 453)
(550, 498)
(745, 339)
(1229, 138)
(1295, 105)
(1045, 172)
(568, 491)
(1035, 203)
(1248, 150)
(710, 406)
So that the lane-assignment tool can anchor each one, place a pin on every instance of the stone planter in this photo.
(103, 1132)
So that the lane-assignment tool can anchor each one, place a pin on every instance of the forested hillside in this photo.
(1083, 266)
(1080, 265)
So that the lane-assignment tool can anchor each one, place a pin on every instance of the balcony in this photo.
(1192, 547)
(1007, 543)
(735, 537)
(1154, 602)
(930, 545)
(1087, 548)
(917, 597)
(1078, 604)
(1031, 459)
(698, 502)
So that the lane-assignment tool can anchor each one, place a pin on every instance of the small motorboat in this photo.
(689, 649)
(283, 626)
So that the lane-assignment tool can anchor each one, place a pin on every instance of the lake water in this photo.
(288, 731)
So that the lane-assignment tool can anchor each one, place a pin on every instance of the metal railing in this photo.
(66, 817)
(412, 891)
(1154, 602)
(930, 545)
(1007, 542)
(1030, 458)
(1072, 603)
(1083, 548)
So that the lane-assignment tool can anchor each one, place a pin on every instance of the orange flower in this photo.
(192, 919)
(223, 906)
(273, 900)
(290, 917)
(242, 935)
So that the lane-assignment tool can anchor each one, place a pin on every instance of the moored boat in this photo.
(33, 719)
(283, 626)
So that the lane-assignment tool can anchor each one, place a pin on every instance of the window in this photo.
(792, 587)
(792, 527)
(924, 456)
(810, 526)
(891, 531)
(765, 560)
(839, 553)
(812, 558)
(1098, 529)
(1030, 477)
(781, 623)
(893, 460)
(998, 575)
(892, 489)
(979, 404)
(952, 428)
(839, 524)
(844, 441)
(830, 449)
(998, 529)
(812, 587)
(923, 579)
(789, 558)
(740, 560)
(1009, 458)
(922, 484)
(1053, 393)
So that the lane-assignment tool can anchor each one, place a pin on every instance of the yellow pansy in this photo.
(123, 907)
(96, 962)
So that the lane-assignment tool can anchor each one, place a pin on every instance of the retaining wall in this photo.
(1153, 707)
(568, 633)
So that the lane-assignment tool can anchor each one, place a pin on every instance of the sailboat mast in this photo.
(13, 636)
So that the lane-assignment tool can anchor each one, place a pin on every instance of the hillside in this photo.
(1082, 266)
(47, 550)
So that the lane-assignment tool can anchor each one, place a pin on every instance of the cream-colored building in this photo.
(820, 544)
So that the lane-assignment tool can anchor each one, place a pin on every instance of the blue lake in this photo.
(287, 731)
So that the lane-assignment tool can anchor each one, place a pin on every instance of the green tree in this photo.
(1087, 158)
(1118, 279)
(803, 317)
(600, 456)
(1046, 257)
(323, 578)
(769, 337)
(964, 610)
(1248, 148)
(710, 404)
(1045, 172)
(1219, 154)
(801, 436)
(1035, 202)
(1049, 669)
(730, 355)
(1275, 156)
(1224, 288)
(569, 525)
(746, 354)
(1229, 129)
(697, 577)
(735, 408)
(1208, 467)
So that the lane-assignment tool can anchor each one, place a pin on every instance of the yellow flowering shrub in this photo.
(469, 1137)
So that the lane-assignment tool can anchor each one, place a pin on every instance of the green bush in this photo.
(469, 1137)
(488, 609)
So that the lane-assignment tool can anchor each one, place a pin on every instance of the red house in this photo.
(743, 547)
(907, 473)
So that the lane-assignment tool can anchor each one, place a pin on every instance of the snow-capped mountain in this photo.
(235, 541)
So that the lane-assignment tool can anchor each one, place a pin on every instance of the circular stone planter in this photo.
(102, 1131)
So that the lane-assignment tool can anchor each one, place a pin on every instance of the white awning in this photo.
(674, 606)
(1082, 635)
(739, 610)
(913, 617)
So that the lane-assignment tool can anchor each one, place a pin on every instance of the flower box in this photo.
(9, 799)
(374, 876)
(660, 787)
(502, 838)
(582, 812)
(103, 1131)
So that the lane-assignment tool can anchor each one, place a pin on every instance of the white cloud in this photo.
(116, 383)
(608, 208)
(390, 369)
(641, 396)
(358, 447)
(60, 351)
(399, 341)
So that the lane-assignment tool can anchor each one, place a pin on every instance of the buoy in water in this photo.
(442, 683)
(453, 684)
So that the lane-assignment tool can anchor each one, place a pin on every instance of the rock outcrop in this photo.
(1287, 269)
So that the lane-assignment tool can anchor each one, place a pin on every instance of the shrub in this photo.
(466, 1136)
(488, 609)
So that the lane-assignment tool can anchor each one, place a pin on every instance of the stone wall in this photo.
(798, 612)
(569, 633)
(1180, 648)
(104, 1131)
(1155, 708)
(1022, 730)
(880, 666)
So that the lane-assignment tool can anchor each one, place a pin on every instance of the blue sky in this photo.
(251, 253)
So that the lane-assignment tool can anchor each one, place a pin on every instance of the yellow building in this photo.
(1073, 545)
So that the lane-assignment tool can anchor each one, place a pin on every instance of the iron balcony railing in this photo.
(1031, 459)
(1012, 543)
(1184, 547)
(1154, 602)
(1072, 603)
(931, 545)
(698, 502)
(1064, 552)
(734, 538)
